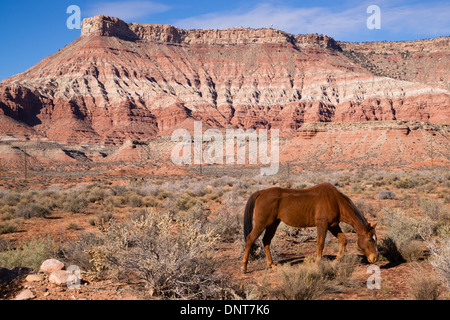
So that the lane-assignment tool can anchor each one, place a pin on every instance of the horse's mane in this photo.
(355, 210)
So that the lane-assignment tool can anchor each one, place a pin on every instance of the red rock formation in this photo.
(424, 61)
(367, 145)
(122, 81)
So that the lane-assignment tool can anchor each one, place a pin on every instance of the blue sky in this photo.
(32, 30)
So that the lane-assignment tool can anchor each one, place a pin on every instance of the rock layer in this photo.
(120, 81)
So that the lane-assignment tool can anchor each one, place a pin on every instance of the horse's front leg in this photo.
(321, 234)
(337, 232)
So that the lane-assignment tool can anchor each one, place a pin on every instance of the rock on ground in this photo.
(62, 277)
(51, 265)
(26, 294)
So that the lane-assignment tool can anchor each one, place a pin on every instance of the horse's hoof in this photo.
(244, 270)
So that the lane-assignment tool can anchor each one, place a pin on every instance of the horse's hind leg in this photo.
(268, 236)
(253, 235)
(337, 232)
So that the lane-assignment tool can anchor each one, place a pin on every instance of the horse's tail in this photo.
(248, 214)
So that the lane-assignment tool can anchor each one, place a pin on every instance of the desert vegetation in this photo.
(181, 238)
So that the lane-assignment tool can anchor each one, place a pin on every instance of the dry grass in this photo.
(309, 280)
(424, 288)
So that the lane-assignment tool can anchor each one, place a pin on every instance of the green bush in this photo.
(30, 255)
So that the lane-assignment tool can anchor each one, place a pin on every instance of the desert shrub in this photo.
(73, 201)
(96, 194)
(8, 227)
(134, 200)
(49, 202)
(198, 189)
(114, 201)
(118, 190)
(224, 181)
(81, 251)
(386, 195)
(357, 189)
(310, 280)
(443, 230)
(185, 202)
(150, 201)
(401, 228)
(433, 209)
(171, 255)
(424, 288)
(163, 194)
(287, 230)
(406, 183)
(300, 283)
(402, 237)
(430, 187)
(366, 208)
(30, 255)
(7, 212)
(28, 210)
(10, 198)
(73, 226)
(346, 228)
(412, 251)
(148, 190)
(102, 219)
(440, 258)
(227, 224)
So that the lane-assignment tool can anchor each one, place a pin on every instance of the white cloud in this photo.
(421, 19)
(127, 10)
(290, 19)
(345, 22)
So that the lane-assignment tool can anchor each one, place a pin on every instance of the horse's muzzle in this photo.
(372, 258)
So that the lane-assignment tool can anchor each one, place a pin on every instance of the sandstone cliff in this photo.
(424, 61)
(121, 81)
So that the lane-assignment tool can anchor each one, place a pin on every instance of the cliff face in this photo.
(122, 81)
(424, 61)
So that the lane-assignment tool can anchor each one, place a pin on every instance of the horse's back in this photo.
(301, 207)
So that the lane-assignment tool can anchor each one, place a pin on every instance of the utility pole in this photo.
(288, 170)
(25, 162)
(431, 148)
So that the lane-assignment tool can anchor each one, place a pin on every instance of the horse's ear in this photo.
(371, 227)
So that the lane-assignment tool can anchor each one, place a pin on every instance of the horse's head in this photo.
(367, 241)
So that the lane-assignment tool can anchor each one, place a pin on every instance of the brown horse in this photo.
(322, 206)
